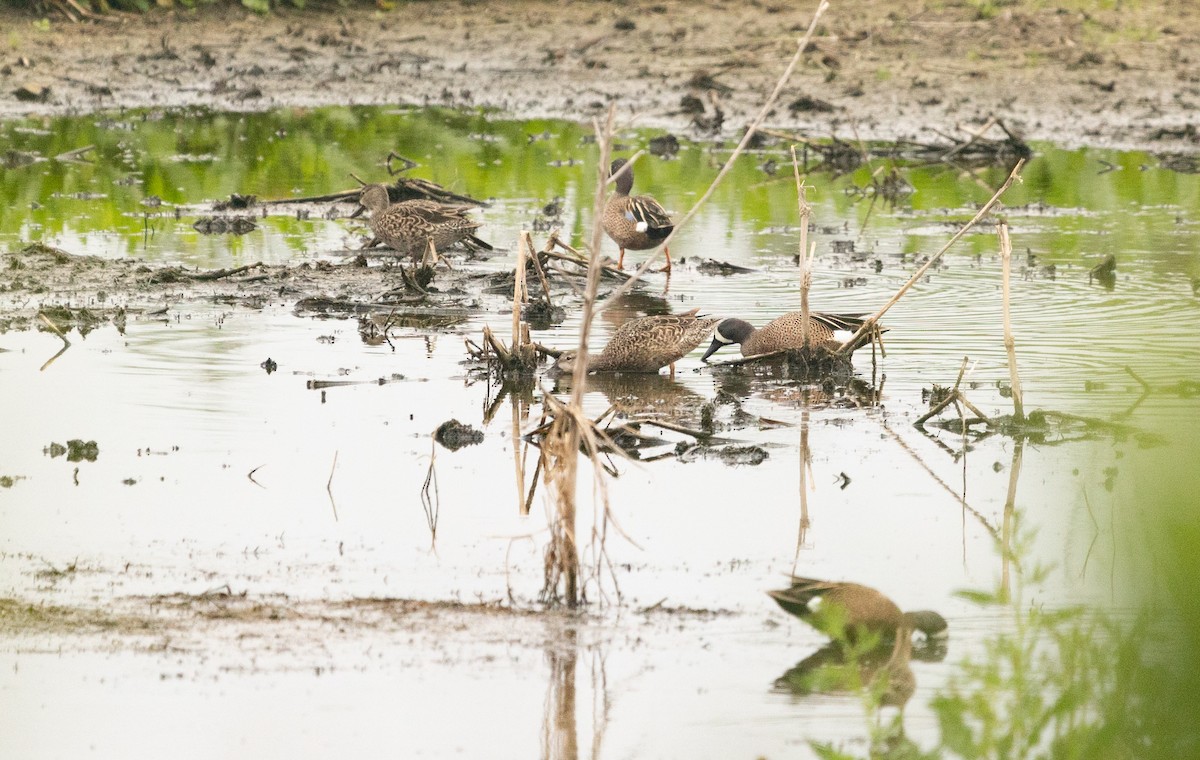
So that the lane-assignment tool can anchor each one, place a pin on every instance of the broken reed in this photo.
(1009, 342)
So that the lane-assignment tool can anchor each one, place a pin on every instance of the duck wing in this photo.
(643, 209)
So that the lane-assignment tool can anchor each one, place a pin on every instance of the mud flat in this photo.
(1060, 71)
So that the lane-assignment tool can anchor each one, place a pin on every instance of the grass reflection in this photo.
(192, 156)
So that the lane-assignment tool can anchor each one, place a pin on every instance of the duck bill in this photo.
(712, 349)
(358, 212)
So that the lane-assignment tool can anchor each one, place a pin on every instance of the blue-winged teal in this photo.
(854, 608)
(636, 222)
(647, 344)
(409, 226)
(783, 333)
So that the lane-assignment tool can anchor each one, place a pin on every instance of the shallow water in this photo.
(212, 472)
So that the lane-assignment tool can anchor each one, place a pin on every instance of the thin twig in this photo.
(329, 486)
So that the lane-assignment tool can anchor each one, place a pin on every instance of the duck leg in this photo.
(621, 260)
(666, 269)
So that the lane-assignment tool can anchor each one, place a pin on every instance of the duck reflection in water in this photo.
(873, 640)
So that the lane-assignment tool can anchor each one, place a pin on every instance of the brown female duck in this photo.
(851, 609)
(784, 333)
(636, 222)
(408, 227)
(647, 344)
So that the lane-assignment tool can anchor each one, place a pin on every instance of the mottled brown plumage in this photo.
(635, 222)
(647, 344)
(853, 608)
(783, 334)
(409, 226)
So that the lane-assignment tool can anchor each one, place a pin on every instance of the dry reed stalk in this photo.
(519, 295)
(822, 6)
(806, 254)
(54, 328)
(1010, 344)
(570, 427)
(947, 401)
(978, 134)
(870, 322)
(537, 262)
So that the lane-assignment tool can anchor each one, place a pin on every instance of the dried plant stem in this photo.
(537, 262)
(822, 6)
(871, 321)
(329, 486)
(54, 328)
(978, 134)
(518, 293)
(806, 254)
(947, 401)
(568, 429)
(1009, 343)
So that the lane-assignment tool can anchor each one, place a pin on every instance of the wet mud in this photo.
(1118, 77)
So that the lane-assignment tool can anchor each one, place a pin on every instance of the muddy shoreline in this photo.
(1127, 79)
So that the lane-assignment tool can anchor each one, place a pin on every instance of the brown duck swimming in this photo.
(647, 344)
(409, 226)
(854, 609)
(784, 333)
(636, 222)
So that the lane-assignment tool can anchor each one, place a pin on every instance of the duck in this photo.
(408, 227)
(647, 344)
(636, 222)
(841, 609)
(784, 333)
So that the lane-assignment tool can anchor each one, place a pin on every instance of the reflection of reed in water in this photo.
(560, 730)
(560, 734)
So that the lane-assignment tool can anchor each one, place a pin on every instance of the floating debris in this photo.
(236, 201)
(77, 450)
(664, 146)
(1105, 272)
(719, 268)
(33, 92)
(808, 104)
(454, 435)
